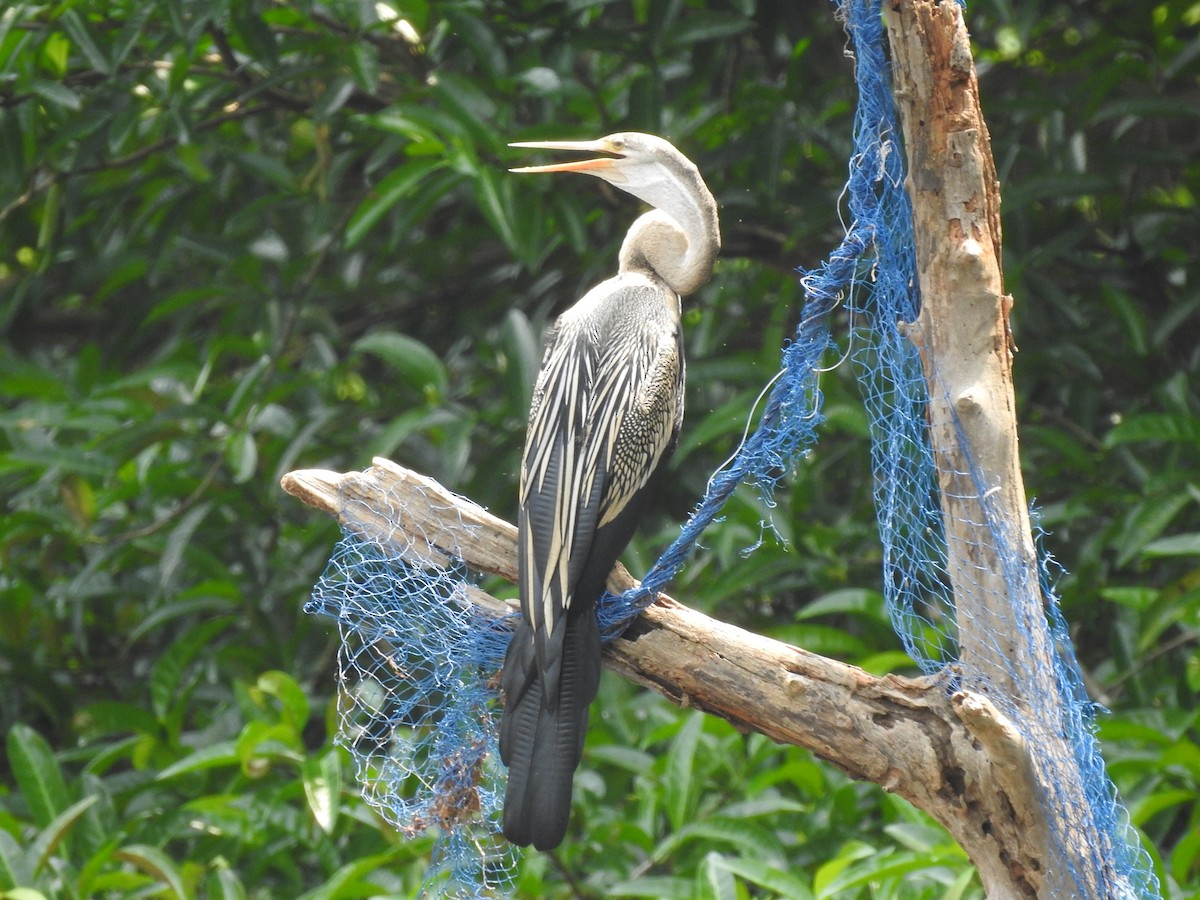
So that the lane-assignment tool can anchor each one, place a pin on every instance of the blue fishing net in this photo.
(418, 661)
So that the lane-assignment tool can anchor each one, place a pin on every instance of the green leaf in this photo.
(714, 880)
(822, 639)
(15, 868)
(223, 884)
(261, 742)
(620, 757)
(657, 886)
(135, 20)
(701, 26)
(1123, 730)
(433, 192)
(157, 864)
(494, 193)
(1144, 809)
(753, 841)
(1170, 427)
(178, 542)
(292, 699)
(543, 80)
(54, 54)
(919, 837)
(1176, 545)
(961, 885)
(419, 365)
(476, 32)
(726, 421)
(417, 128)
(95, 834)
(771, 878)
(53, 834)
(323, 788)
(50, 211)
(680, 790)
(259, 39)
(351, 880)
(247, 383)
(211, 756)
(397, 186)
(803, 772)
(1145, 107)
(828, 873)
(82, 38)
(522, 356)
(1126, 310)
(190, 160)
(849, 601)
(417, 13)
(875, 868)
(37, 773)
(58, 94)
(333, 98)
(1137, 598)
(889, 661)
(364, 63)
(1146, 521)
(241, 455)
(386, 441)
(166, 678)
(269, 168)
(1185, 856)
(200, 601)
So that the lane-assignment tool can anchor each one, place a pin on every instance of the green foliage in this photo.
(242, 238)
(185, 815)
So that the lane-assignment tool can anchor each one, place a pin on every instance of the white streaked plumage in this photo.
(635, 400)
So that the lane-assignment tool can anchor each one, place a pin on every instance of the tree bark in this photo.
(1006, 650)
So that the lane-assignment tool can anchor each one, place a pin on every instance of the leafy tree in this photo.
(239, 238)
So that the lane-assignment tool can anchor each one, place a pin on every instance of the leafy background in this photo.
(242, 238)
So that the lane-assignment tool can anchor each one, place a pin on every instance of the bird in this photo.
(605, 415)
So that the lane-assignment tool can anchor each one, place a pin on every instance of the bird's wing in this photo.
(650, 425)
(562, 476)
(592, 397)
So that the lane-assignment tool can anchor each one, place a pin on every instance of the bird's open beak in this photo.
(582, 165)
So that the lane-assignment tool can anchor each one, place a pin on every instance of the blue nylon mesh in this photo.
(416, 707)
(418, 663)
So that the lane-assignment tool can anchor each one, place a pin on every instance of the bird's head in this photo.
(644, 165)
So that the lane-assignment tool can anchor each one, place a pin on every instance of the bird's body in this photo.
(606, 412)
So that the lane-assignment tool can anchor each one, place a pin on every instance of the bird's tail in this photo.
(542, 731)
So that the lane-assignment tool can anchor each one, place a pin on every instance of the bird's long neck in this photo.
(677, 242)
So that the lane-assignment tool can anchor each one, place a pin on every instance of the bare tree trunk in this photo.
(962, 332)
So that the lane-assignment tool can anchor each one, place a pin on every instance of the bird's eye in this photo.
(618, 143)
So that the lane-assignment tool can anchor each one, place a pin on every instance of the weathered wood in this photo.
(963, 335)
(955, 756)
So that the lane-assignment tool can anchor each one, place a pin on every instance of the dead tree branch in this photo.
(952, 755)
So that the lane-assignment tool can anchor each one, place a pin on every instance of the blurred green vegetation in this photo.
(242, 238)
